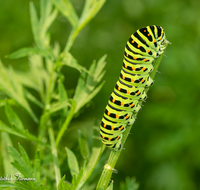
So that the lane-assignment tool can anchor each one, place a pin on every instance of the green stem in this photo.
(71, 39)
(73, 35)
(44, 118)
(89, 11)
(114, 155)
(55, 155)
(66, 123)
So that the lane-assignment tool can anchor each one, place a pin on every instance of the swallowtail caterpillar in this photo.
(141, 49)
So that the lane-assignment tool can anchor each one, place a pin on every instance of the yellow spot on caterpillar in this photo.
(133, 68)
(119, 88)
(132, 41)
(132, 105)
(103, 137)
(142, 80)
(144, 30)
(121, 128)
(125, 65)
(113, 100)
(123, 77)
(132, 80)
(109, 139)
(135, 58)
(154, 41)
(143, 68)
(145, 59)
(118, 137)
(104, 125)
(148, 51)
(122, 103)
(112, 128)
(160, 38)
(108, 113)
(117, 116)
(148, 34)
(138, 93)
(138, 45)
(127, 117)
(127, 55)
(128, 92)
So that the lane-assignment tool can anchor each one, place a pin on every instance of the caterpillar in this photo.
(142, 48)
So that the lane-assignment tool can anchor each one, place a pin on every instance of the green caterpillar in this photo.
(142, 48)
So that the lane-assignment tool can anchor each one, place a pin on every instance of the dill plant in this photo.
(45, 77)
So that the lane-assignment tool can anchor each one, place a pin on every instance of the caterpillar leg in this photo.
(132, 120)
(118, 145)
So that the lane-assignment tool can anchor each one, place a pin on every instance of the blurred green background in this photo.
(163, 149)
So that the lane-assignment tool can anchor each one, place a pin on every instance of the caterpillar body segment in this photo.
(137, 68)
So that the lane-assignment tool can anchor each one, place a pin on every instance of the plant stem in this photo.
(114, 155)
(55, 155)
(89, 11)
(66, 123)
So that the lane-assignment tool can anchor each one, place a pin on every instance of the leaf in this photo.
(11, 86)
(99, 68)
(83, 144)
(46, 20)
(10, 185)
(62, 92)
(69, 60)
(76, 179)
(85, 97)
(37, 167)
(12, 117)
(5, 128)
(62, 96)
(6, 158)
(31, 185)
(110, 187)
(20, 133)
(72, 162)
(25, 157)
(33, 138)
(97, 151)
(33, 99)
(91, 8)
(40, 26)
(35, 25)
(38, 74)
(58, 106)
(130, 184)
(10, 101)
(21, 164)
(88, 85)
(63, 185)
(66, 8)
(27, 51)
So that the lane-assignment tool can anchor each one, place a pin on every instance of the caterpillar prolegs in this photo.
(141, 49)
